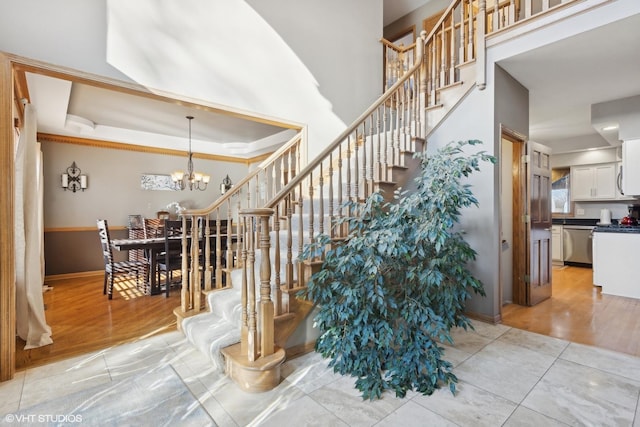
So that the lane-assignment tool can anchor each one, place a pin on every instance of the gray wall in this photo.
(415, 18)
(113, 193)
(479, 117)
(474, 119)
(512, 112)
(114, 184)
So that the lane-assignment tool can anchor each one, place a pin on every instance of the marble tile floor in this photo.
(507, 377)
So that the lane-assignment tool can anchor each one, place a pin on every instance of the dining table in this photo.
(152, 247)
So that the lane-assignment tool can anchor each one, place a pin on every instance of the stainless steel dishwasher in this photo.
(577, 246)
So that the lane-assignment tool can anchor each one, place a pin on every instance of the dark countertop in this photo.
(575, 221)
(591, 222)
(615, 228)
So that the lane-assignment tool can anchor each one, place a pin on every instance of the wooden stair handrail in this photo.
(300, 136)
(312, 165)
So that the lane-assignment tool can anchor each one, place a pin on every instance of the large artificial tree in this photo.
(389, 294)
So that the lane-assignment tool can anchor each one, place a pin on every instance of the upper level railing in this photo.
(458, 38)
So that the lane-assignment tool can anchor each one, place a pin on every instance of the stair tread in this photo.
(433, 107)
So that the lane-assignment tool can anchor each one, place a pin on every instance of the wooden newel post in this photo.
(186, 293)
(266, 304)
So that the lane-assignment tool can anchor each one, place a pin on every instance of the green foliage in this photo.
(397, 285)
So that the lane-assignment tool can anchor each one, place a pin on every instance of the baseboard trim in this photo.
(299, 350)
(494, 320)
(76, 275)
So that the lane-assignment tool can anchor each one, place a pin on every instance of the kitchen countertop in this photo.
(593, 222)
(575, 221)
(616, 228)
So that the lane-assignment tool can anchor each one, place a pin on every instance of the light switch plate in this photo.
(579, 211)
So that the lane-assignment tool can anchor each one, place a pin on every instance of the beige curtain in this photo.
(31, 324)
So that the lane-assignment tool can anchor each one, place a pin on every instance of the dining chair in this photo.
(171, 259)
(136, 231)
(113, 269)
(153, 228)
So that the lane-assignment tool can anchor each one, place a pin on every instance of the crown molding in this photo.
(97, 143)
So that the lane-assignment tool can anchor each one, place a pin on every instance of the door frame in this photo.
(519, 209)
(7, 247)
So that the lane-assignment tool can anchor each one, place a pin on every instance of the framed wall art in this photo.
(157, 182)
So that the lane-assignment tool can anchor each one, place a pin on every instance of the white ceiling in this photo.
(564, 79)
(567, 77)
(81, 110)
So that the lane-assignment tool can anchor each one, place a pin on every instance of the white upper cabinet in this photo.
(631, 167)
(594, 182)
(619, 193)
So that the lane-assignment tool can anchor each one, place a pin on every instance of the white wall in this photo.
(589, 157)
(314, 56)
(318, 64)
(72, 33)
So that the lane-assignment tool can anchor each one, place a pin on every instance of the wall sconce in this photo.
(73, 179)
(226, 185)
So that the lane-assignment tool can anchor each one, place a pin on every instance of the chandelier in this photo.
(191, 180)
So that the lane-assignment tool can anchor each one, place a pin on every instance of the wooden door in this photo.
(538, 280)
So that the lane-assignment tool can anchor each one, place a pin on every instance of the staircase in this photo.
(244, 309)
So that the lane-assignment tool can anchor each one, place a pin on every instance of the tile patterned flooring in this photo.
(507, 377)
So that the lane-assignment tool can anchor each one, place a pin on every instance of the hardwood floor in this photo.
(82, 319)
(578, 312)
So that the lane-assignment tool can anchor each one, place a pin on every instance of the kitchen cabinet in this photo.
(556, 244)
(619, 193)
(594, 182)
(631, 167)
(613, 268)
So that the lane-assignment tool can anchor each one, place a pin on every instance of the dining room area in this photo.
(107, 151)
(84, 310)
(138, 290)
